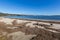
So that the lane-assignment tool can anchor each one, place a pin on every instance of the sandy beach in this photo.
(23, 29)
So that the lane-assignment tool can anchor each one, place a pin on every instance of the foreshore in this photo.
(26, 29)
(41, 20)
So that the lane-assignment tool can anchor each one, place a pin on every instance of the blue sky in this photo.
(32, 7)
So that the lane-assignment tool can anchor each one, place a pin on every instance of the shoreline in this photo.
(38, 20)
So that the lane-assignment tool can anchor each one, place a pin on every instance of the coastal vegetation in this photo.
(7, 14)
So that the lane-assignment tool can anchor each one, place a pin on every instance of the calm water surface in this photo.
(36, 17)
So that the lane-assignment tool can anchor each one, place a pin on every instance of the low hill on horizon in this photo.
(7, 14)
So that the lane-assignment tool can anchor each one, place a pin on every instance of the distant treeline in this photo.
(6, 14)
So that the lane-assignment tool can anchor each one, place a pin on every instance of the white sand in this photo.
(56, 26)
(7, 20)
(12, 27)
(44, 23)
(20, 36)
(21, 21)
(30, 25)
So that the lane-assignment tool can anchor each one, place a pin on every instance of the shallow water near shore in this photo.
(57, 18)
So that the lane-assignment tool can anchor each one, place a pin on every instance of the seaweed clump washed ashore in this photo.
(17, 29)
